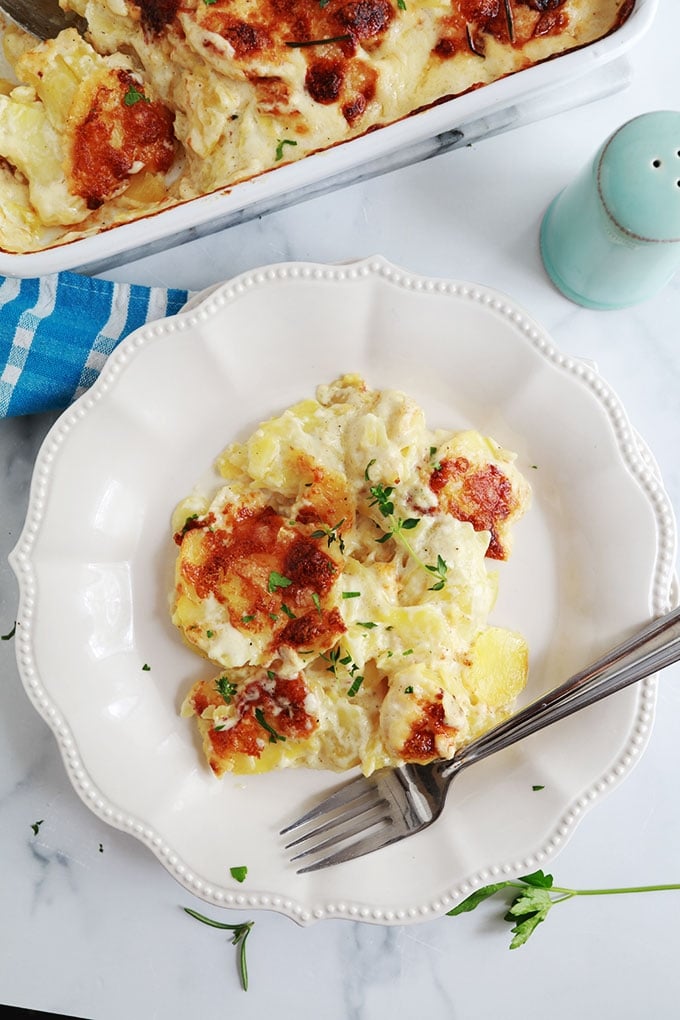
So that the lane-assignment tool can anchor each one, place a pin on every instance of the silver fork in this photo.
(369, 813)
(42, 18)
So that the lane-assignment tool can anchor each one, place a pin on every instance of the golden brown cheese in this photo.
(266, 711)
(270, 580)
(245, 85)
(340, 581)
(112, 135)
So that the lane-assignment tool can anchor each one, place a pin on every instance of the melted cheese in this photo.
(341, 582)
(233, 88)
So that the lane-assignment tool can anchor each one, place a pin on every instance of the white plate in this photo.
(95, 561)
(537, 91)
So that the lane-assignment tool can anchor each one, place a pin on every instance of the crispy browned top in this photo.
(421, 743)
(120, 132)
(265, 711)
(481, 496)
(333, 35)
(271, 577)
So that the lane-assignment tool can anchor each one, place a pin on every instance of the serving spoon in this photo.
(42, 18)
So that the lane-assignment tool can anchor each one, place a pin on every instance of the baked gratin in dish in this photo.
(163, 101)
(339, 586)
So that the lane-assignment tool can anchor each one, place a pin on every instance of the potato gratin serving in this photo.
(338, 585)
(167, 100)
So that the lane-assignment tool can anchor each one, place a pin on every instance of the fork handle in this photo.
(649, 650)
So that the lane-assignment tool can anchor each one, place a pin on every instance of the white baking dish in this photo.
(466, 118)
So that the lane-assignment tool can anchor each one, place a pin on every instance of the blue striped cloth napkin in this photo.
(56, 333)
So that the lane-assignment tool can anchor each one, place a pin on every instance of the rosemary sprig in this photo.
(472, 45)
(10, 634)
(510, 19)
(240, 934)
(319, 42)
(382, 498)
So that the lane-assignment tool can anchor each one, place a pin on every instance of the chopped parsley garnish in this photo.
(367, 624)
(277, 580)
(240, 934)
(210, 634)
(247, 619)
(36, 825)
(133, 96)
(146, 667)
(401, 4)
(351, 594)
(535, 898)
(188, 523)
(356, 684)
(288, 611)
(10, 634)
(279, 148)
(408, 690)
(239, 873)
(335, 660)
(409, 651)
(274, 737)
(436, 464)
(537, 787)
(226, 688)
(317, 602)
(333, 657)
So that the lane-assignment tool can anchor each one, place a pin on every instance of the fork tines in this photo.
(346, 822)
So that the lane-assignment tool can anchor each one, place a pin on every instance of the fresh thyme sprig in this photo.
(240, 934)
(396, 526)
(535, 898)
(331, 535)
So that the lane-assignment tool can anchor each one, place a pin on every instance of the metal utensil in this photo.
(369, 813)
(42, 18)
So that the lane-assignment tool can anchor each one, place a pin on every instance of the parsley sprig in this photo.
(396, 526)
(241, 933)
(536, 897)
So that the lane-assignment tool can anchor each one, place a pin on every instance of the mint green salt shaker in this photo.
(612, 238)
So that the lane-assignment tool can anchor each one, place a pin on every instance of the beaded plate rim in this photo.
(639, 461)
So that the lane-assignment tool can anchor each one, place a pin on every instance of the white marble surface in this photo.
(92, 925)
